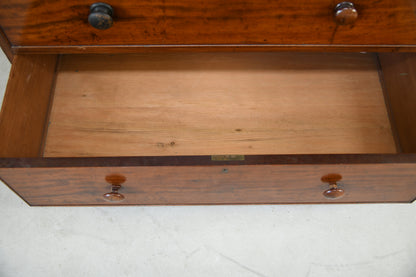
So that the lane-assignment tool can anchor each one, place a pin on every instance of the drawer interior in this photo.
(168, 104)
(217, 103)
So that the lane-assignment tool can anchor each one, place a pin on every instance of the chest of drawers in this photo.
(209, 102)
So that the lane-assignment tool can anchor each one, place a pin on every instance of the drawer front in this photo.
(200, 22)
(234, 184)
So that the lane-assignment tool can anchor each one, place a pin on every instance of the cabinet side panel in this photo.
(399, 74)
(26, 105)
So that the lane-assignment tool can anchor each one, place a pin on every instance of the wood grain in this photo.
(184, 22)
(203, 185)
(399, 75)
(25, 108)
(218, 103)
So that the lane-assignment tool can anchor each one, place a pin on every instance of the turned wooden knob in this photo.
(114, 195)
(334, 191)
(345, 13)
(101, 16)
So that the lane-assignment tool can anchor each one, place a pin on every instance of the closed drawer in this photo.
(210, 128)
(383, 24)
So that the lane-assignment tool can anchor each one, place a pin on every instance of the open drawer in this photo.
(210, 128)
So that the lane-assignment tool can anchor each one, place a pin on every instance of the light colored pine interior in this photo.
(218, 103)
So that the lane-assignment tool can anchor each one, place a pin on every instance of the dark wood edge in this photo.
(11, 188)
(388, 106)
(68, 49)
(206, 160)
(6, 45)
(221, 204)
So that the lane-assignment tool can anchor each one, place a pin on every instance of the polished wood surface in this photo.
(399, 77)
(218, 103)
(25, 107)
(238, 184)
(183, 22)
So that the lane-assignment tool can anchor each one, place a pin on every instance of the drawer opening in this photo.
(180, 104)
(218, 104)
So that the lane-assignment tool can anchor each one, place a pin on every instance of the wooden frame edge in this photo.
(120, 49)
(317, 159)
(6, 46)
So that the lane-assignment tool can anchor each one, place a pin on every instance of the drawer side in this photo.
(25, 107)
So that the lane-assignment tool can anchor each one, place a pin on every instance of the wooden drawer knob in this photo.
(101, 16)
(115, 181)
(334, 191)
(345, 13)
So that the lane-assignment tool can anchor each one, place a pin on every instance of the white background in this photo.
(282, 240)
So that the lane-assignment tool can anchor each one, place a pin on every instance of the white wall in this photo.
(294, 240)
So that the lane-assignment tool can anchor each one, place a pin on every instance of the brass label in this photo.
(227, 157)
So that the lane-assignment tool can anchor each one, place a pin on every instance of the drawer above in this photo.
(63, 26)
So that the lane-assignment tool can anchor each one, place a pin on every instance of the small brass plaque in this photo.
(227, 157)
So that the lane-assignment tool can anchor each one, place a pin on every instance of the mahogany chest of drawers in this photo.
(209, 102)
